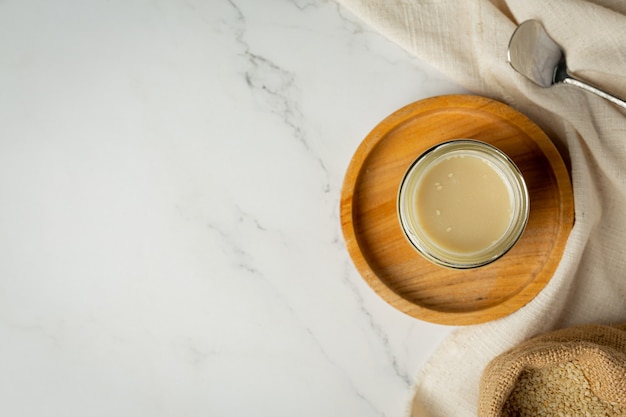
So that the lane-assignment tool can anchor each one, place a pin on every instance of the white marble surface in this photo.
(169, 234)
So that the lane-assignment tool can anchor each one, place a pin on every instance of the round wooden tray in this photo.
(393, 268)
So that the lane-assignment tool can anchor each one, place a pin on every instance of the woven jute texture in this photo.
(598, 351)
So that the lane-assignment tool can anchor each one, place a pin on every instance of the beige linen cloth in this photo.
(467, 40)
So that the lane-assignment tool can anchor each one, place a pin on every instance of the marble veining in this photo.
(275, 86)
(171, 242)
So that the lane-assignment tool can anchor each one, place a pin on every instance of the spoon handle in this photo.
(587, 87)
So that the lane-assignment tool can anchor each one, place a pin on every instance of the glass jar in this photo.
(463, 204)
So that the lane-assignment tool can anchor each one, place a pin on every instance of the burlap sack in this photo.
(575, 371)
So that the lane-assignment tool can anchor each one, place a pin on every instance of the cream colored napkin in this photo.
(467, 40)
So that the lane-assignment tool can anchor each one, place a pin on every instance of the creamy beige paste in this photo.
(463, 204)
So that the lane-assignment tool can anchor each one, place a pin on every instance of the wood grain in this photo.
(389, 263)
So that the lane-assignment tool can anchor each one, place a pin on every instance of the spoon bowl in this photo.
(535, 55)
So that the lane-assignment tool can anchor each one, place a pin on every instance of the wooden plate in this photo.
(393, 268)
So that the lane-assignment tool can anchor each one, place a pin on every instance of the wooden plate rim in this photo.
(442, 103)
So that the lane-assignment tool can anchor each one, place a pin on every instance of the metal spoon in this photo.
(534, 54)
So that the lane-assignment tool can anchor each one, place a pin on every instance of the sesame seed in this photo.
(560, 390)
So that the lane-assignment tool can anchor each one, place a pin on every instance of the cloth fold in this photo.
(468, 42)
